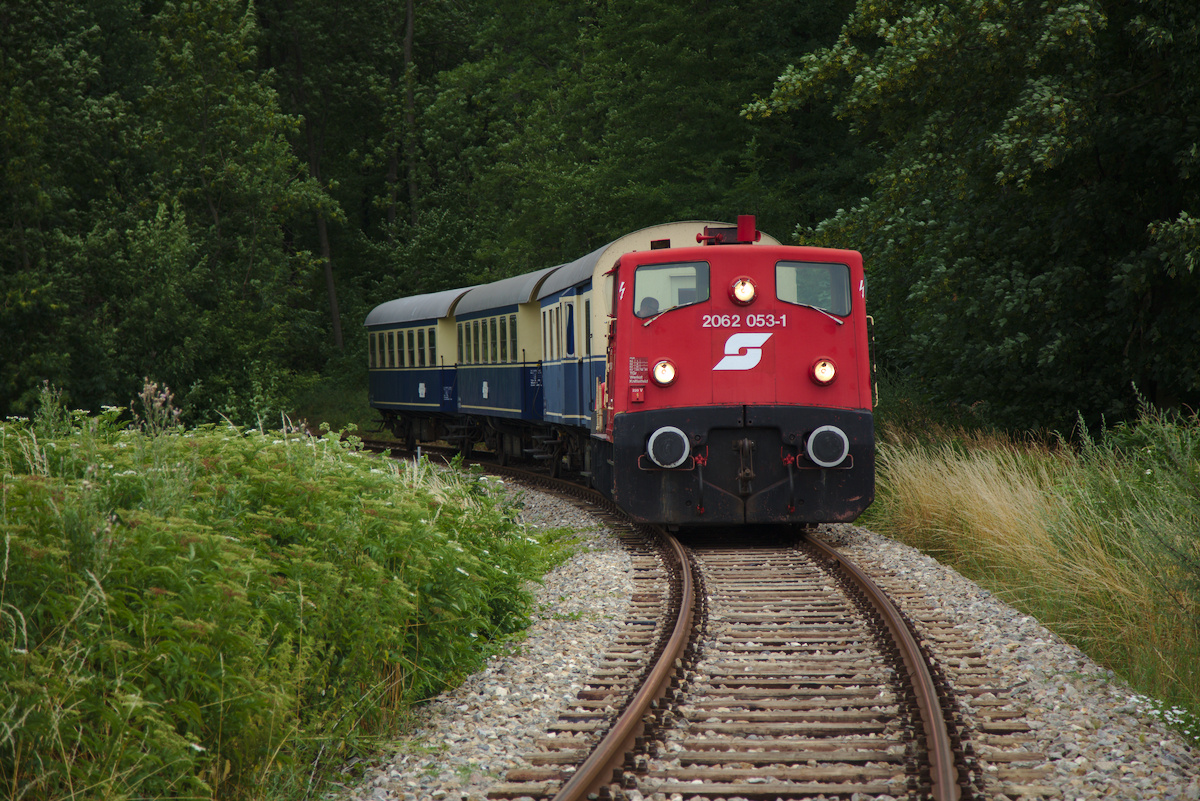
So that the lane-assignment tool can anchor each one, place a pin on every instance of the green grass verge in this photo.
(1099, 539)
(224, 612)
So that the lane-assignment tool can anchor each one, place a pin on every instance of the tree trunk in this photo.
(314, 170)
(410, 115)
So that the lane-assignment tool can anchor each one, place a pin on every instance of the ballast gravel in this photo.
(1103, 741)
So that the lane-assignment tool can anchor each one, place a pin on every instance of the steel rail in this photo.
(943, 773)
(596, 771)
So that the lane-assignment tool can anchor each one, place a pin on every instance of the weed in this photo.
(1098, 542)
(229, 612)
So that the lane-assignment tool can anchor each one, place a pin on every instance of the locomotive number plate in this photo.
(743, 321)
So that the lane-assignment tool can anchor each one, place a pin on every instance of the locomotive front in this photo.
(738, 383)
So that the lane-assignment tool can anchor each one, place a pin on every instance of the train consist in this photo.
(698, 373)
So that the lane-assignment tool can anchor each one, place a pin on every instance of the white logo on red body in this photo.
(743, 351)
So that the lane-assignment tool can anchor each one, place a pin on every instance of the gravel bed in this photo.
(472, 735)
(1104, 741)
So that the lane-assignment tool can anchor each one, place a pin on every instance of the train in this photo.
(697, 373)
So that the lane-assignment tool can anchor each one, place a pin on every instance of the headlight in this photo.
(742, 291)
(823, 372)
(664, 373)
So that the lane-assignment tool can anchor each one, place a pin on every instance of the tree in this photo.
(1029, 228)
(61, 129)
(226, 182)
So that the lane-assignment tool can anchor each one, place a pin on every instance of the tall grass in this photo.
(224, 612)
(1098, 541)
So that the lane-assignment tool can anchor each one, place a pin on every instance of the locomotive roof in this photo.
(417, 307)
(679, 234)
(505, 292)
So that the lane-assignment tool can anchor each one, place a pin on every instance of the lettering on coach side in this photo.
(743, 351)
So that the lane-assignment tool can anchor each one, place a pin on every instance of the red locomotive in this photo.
(738, 384)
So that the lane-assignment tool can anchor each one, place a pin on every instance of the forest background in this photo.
(213, 194)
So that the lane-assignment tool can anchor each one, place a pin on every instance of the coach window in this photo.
(826, 286)
(483, 356)
(433, 347)
(388, 356)
(475, 339)
(570, 329)
(512, 336)
(421, 347)
(504, 339)
(661, 287)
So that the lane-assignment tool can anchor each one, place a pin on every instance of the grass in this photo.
(1098, 539)
(226, 612)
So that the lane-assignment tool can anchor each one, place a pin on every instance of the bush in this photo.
(216, 611)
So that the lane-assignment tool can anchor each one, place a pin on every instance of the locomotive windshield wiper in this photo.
(835, 318)
(655, 317)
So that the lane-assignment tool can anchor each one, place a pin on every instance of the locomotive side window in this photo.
(661, 287)
(825, 286)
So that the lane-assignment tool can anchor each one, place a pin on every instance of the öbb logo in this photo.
(743, 351)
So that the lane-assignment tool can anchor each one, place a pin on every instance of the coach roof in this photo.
(502, 293)
(416, 308)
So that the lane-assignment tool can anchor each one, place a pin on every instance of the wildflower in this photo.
(465, 573)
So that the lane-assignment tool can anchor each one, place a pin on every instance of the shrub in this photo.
(211, 612)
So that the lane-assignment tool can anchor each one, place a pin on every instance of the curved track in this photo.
(810, 683)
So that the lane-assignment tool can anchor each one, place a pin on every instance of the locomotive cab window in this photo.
(825, 286)
(661, 287)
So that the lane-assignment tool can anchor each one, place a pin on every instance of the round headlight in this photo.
(742, 291)
(664, 372)
(823, 372)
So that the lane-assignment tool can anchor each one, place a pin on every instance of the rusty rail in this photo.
(943, 771)
(610, 753)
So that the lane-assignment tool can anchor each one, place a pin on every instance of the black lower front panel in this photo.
(745, 464)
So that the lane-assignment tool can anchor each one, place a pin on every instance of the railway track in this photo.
(776, 670)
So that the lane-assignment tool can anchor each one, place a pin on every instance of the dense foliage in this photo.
(1033, 230)
(213, 194)
(204, 613)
